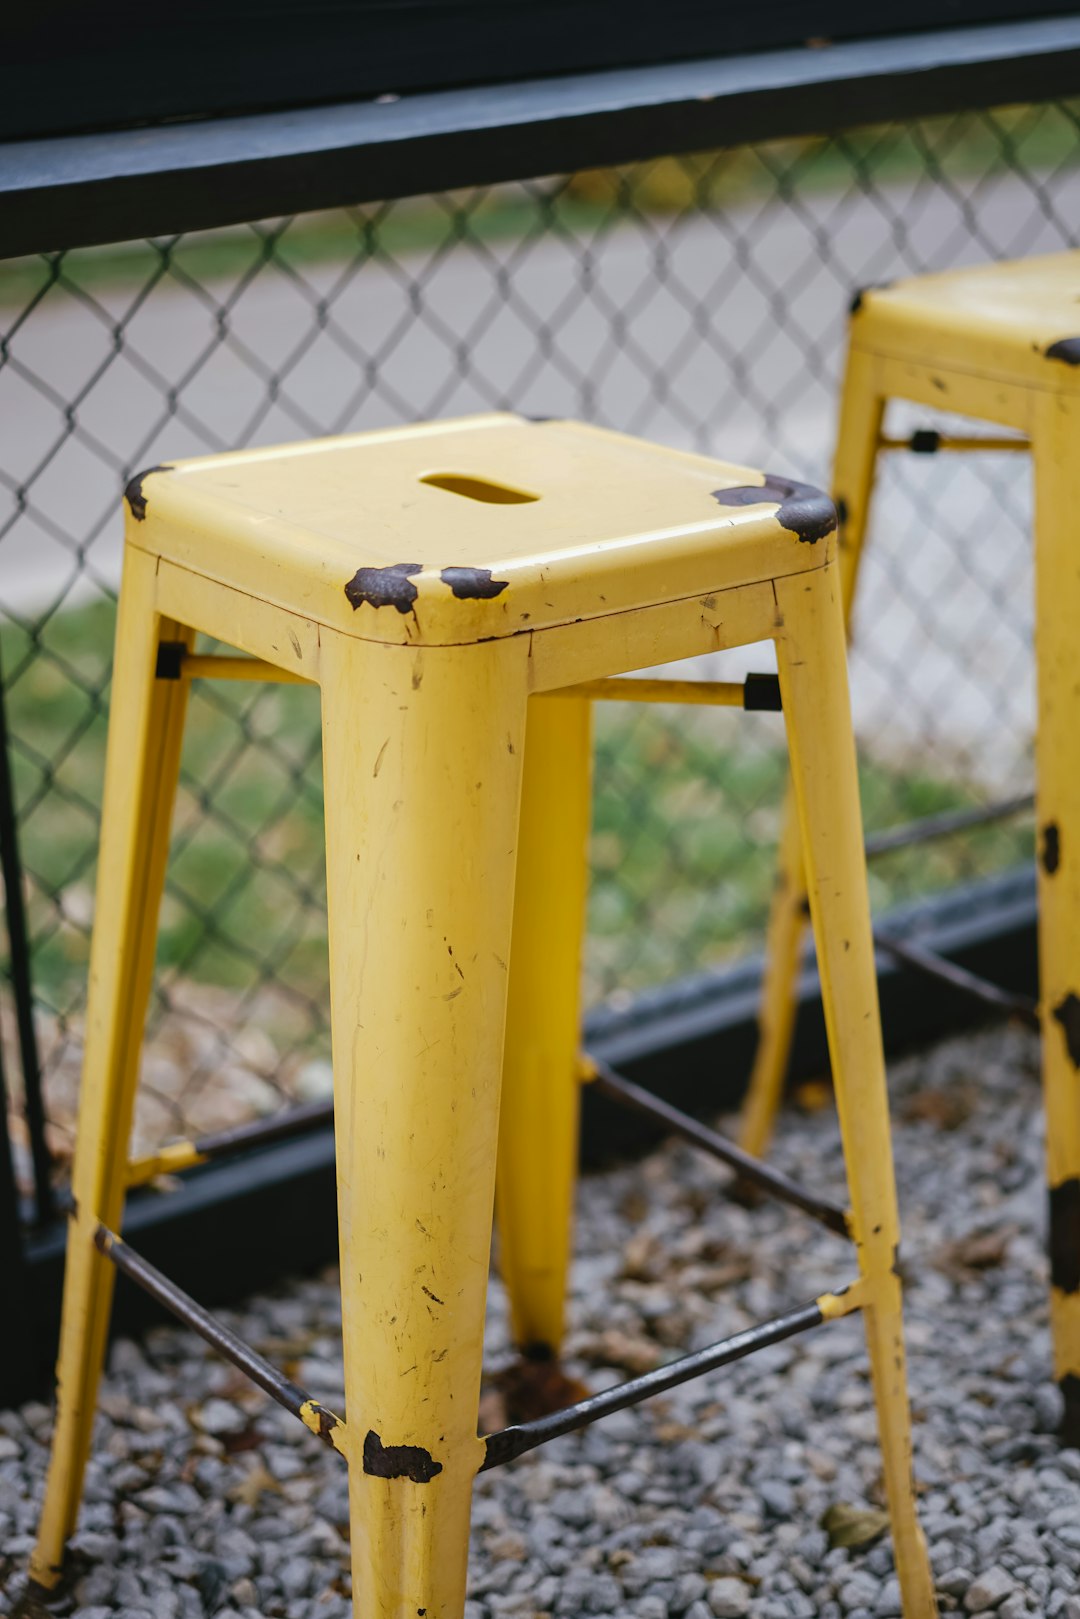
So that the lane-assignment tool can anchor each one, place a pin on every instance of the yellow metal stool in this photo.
(459, 593)
(1000, 343)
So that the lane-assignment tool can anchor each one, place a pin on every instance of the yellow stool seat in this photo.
(1000, 343)
(460, 531)
(457, 592)
(1016, 323)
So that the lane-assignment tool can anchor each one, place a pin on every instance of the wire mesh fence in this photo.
(700, 301)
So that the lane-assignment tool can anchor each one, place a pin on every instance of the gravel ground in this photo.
(202, 1498)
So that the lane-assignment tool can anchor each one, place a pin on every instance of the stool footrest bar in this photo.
(510, 1442)
(323, 1423)
(928, 441)
(222, 1143)
(926, 961)
(749, 1168)
(929, 827)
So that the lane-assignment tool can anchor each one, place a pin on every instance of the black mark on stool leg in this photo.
(1050, 854)
(398, 1461)
(1067, 1013)
(1065, 1235)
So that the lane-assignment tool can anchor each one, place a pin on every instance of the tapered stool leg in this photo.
(538, 1133)
(146, 721)
(813, 681)
(422, 758)
(1057, 750)
(861, 411)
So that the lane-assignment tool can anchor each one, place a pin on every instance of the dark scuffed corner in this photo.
(1050, 852)
(384, 587)
(135, 495)
(473, 584)
(398, 1461)
(1065, 1235)
(1066, 349)
(1067, 1013)
(857, 301)
(804, 510)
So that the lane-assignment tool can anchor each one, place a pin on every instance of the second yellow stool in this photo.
(1000, 343)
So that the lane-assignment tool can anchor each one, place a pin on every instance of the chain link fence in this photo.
(700, 301)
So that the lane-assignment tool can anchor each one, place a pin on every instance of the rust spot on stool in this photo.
(472, 584)
(804, 510)
(1050, 853)
(134, 494)
(1066, 349)
(1065, 1235)
(384, 587)
(398, 1461)
(1067, 1013)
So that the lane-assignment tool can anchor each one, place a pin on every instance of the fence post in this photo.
(18, 1362)
(21, 987)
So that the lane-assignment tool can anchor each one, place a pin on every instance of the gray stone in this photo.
(989, 1590)
(729, 1598)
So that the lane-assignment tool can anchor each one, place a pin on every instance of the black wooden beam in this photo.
(79, 190)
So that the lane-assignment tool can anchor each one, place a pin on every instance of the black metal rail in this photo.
(263, 1132)
(931, 827)
(916, 955)
(219, 1337)
(510, 1442)
(21, 987)
(747, 1168)
(79, 190)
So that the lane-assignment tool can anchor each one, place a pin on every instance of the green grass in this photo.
(686, 816)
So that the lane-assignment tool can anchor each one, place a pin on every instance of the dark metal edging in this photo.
(75, 191)
(238, 1226)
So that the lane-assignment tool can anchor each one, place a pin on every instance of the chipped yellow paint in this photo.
(835, 1305)
(1000, 343)
(326, 1426)
(434, 623)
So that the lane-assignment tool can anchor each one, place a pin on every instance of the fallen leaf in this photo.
(948, 1109)
(849, 1525)
(979, 1251)
(616, 1348)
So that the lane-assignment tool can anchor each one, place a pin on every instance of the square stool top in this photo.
(1019, 321)
(466, 530)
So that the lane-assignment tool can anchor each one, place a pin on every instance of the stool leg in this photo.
(538, 1131)
(861, 411)
(146, 722)
(422, 758)
(813, 680)
(1057, 750)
